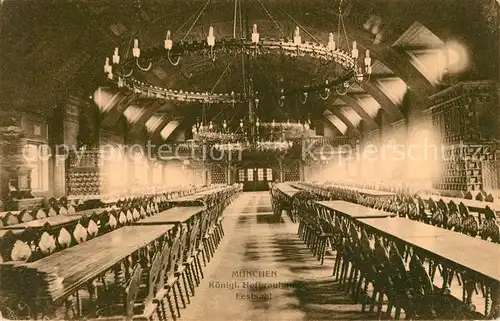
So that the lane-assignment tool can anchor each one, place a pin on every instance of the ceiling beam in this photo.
(331, 122)
(149, 111)
(156, 134)
(113, 115)
(384, 101)
(350, 126)
(170, 128)
(354, 104)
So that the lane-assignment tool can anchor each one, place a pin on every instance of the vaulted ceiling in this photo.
(51, 47)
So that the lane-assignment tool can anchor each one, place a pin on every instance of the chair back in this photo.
(422, 282)
(25, 216)
(132, 291)
(153, 275)
(10, 219)
(40, 214)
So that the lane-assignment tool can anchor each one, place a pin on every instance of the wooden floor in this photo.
(292, 285)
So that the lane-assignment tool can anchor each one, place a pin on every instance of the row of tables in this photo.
(464, 253)
(472, 205)
(66, 271)
(470, 253)
(73, 267)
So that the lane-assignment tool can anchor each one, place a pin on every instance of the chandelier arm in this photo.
(305, 98)
(324, 97)
(142, 68)
(129, 74)
(341, 93)
(176, 63)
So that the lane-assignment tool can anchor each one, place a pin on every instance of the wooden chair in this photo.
(480, 197)
(128, 308)
(183, 267)
(41, 214)
(381, 282)
(71, 210)
(10, 219)
(422, 290)
(168, 282)
(80, 233)
(399, 292)
(64, 239)
(192, 261)
(63, 210)
(468, 195)
(7, 242)
(47, 244)
(53, 211)
(149, 288)
(25, 216)
(489, 198)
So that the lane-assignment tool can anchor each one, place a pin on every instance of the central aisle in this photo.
(263, 271)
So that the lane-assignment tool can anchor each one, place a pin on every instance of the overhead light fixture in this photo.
(116, 57)
(255, 35)
(297, 39)
(168, 41)
(211, 37)
(136, 52)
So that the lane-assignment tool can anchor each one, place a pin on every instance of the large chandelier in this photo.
(356, 70)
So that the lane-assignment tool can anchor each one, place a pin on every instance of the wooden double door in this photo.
(255, 178)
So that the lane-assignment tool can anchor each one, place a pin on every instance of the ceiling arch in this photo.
(358, 108)
(345, 120)
(93, 29)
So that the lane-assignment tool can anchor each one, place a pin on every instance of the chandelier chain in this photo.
(241, 20)
(184, 24)
(196, 20)
(272, 19)
(345, 33)
(223, 73)
(300, 26)
(235, 18)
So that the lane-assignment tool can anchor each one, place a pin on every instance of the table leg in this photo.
(469, 284)
(446, 278)
(495, 301)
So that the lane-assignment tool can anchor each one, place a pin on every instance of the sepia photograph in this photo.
(242, 160)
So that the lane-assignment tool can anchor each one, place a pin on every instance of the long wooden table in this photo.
(473, 205)
(62, 273)
(173, 215)
(212, 191)
(354, 210)
(470, 253)
(366, 192)
(54, 221)
(287, 189)
(189, 198)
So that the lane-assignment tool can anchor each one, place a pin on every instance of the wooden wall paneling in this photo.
(490, 177)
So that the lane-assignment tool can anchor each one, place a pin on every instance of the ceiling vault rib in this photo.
(384, 101)
(354, 104)
(345, 120)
